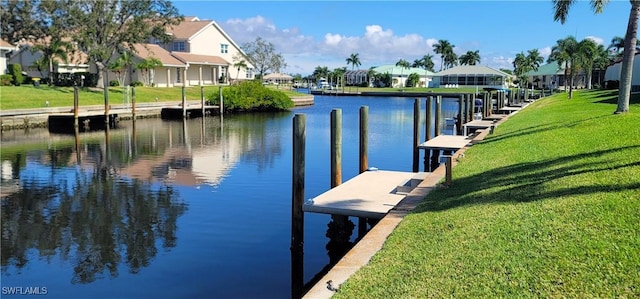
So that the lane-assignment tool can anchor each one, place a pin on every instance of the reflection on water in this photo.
(208, 198)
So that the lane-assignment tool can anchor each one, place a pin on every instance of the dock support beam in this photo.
(221, 100)
(449, 169)
(427, 134)
(364, 158)
(460, 118)
(202, 95)
(336, 147)
(416, 135)
(133, 103)
(297, 215)
(75, 106)
(184, 102)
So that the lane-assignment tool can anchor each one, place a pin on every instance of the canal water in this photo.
(180, 209)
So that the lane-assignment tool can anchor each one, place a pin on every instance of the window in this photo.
(249, 74)
(179, 46)
(224, 48)
(178, 75)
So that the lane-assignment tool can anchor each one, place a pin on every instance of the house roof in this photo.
(471, 70)
(200, 59)
(548, 69)
(188, 28)
(145, 51)
(396, 70)
(4, 45)
(277, 76)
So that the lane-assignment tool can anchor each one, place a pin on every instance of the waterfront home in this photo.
(613, 74)
(471, 75)
(400, 75)
(76, 61)
(5, 48)
(552, 75)
(277, 78)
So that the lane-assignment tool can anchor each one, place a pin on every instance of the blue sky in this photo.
(325, 33)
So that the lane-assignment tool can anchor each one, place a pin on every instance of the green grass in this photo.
(547, 206)
(27, 96)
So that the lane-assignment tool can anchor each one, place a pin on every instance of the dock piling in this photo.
(75, 106)
(184, 102)
(364, 158)
(336, 147)
(416, 134)
(133, 103)
(297, 215)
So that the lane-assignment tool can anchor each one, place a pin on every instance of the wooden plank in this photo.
(370, 194)
(477, 124)
(446, 142)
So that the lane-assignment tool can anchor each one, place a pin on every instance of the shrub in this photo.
(136, 83)
(252, 96)
(15, 70)
(5, 80)
(114, 83)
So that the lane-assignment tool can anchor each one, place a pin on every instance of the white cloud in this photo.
(598, 40)
(545, 52)
(376, 45)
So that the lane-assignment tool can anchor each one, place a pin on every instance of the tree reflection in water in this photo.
(95, 222)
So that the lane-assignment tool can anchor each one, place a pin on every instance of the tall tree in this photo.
(121, 66)
(567, 51)
(321, 72)
(630, 40)
(470, 58)
(444, 48)
(262, 54)
(588, 51)
(402, 64)
(100, 27)
(426, 62)
(534, 59)
(21, 20)
(353, 60)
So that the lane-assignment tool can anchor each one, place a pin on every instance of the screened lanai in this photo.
(471, 75)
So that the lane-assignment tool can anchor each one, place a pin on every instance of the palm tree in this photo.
(354, 61)
(147, 67)
(321, 72)
(588, 55)
(240, 65)
(470, 58)
(567, 51)
(602, 61)
(426, 62)
(443, 47)
(402, 64)
(54, 48)
(534, 59)
(630, 40)
(121, 66)
(450, 59)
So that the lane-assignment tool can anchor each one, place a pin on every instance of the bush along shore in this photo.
(547, 206)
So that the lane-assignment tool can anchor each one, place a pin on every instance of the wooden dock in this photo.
(370, 194)
(477, 124)
(446, 143)
(509, 109)
(87, 121)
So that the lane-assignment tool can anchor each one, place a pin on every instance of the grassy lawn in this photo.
(27, 96)
(547, 206)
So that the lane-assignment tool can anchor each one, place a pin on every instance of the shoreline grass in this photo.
(547, 206)
(27, 96)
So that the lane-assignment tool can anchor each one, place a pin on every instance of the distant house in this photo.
(471, 75)
(400, 75)
(76, 61)
(5, 49)
(357, 77)
(614, 70)
(278, 78)
(552, 75)
(201, 53)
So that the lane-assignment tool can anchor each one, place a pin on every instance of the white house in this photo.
(614, 70)
(552, 75)
(207, 50)
(471, 75)
(76, 61)
(5, 48)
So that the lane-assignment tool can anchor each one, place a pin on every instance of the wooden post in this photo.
(336, 147)
(449, 170)
(416, 134)
(201, 94)
(438, 115)
(427, 133)
(297, 215)
(184, 102)
(106, 98)
(221, 102)
(364, 138)
(459, 120)
(364, 158)
(429, 116)
(133, 102)
(75, 106)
